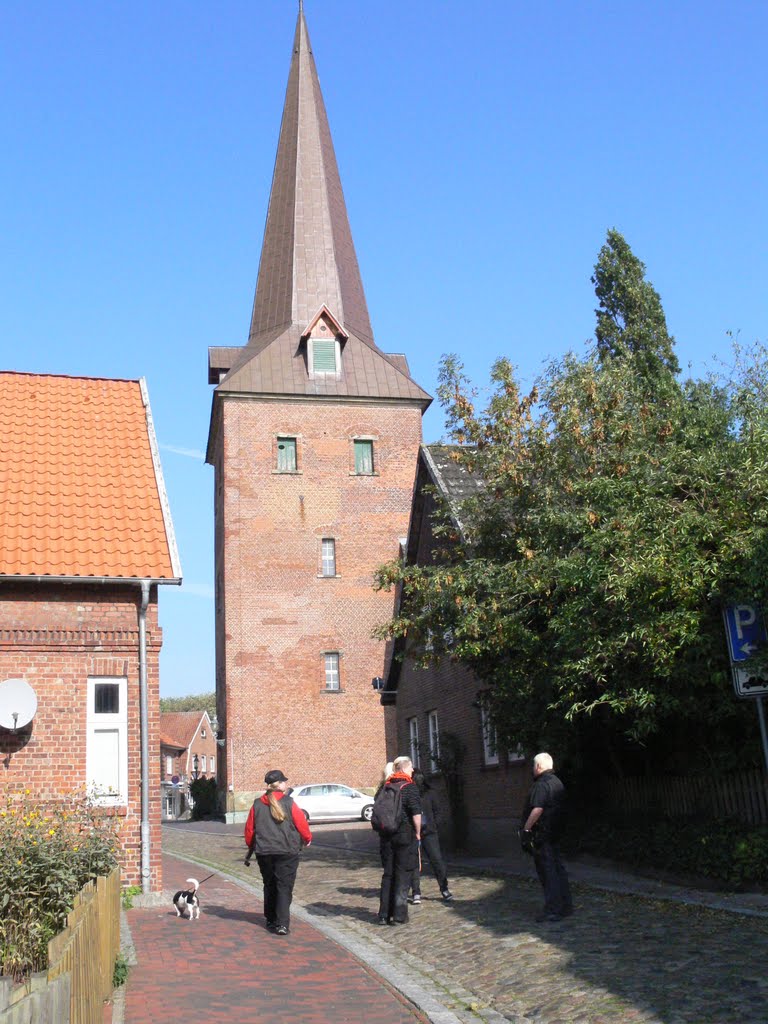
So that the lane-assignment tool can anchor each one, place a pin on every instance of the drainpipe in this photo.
(144, 720)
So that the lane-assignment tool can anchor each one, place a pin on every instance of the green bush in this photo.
(205, 796)
(48, 854)
(120, 971)
(726, 851)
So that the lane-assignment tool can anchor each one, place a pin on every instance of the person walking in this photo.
(399, 850)
(543, 820)
(430, 841)
(276, 831)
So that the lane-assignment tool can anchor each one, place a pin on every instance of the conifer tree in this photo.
(630, 317)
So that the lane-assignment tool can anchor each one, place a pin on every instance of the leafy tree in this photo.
(193, 702)
(630, 317)
(587, 586)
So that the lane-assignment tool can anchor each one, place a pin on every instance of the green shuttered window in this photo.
(323, 356)
(286, 454)
(364, 456)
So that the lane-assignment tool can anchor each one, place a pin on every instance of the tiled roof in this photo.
(81, 492)
(181, 724)
(166, 741)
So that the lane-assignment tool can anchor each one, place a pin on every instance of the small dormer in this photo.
(324, 337)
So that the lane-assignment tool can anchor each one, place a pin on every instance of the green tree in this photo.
(193, 702)
(588, 585)
(630, 317)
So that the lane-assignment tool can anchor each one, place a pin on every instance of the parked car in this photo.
(329, 801)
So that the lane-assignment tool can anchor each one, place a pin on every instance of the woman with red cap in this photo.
(276, 831)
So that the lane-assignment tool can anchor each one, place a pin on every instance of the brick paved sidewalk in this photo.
(622, 959)
(227, 967)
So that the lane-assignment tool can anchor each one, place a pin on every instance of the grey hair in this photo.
(544, 761)
(401, 762)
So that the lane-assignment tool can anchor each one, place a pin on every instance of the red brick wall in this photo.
(275, 616)
(55, 637)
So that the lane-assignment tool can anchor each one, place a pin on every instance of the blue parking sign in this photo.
(745, 628)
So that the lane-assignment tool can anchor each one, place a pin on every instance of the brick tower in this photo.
(314, 439)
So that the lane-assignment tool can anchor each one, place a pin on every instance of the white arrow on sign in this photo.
(748, 648)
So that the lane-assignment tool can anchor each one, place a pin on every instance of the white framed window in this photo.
(331, 659)
(203, 763)
(213, 765)
(433, 732)
(203, 733)
(323, 355)
(168, 765)
(490, 737)
(518, 754)
(106, 752)
(413, 741)
(328, 556)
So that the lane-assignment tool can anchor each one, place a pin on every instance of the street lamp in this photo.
(195, 766)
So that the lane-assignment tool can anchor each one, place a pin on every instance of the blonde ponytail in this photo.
(276, 810)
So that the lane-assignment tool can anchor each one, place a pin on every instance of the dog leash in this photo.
(206, 879)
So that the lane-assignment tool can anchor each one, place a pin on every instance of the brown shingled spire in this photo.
(308, 257)
(309, 267)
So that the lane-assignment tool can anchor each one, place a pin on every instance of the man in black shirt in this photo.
(399, 851)
(543, 820)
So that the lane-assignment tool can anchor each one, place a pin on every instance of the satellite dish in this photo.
(18, 704)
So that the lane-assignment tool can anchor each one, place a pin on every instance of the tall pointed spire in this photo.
(308, 257)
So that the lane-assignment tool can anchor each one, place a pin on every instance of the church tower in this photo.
(314, 439)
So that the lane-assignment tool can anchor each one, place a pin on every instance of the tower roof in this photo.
(308, 266)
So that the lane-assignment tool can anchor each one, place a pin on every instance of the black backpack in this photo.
(388, 809)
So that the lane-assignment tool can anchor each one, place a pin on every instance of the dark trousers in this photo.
(278, 872)
(554, 878)
(430, 847)
(398, 858)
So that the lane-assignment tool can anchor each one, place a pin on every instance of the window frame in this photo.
(433, 740)
(329, 562)
(107, 722)
(490, 736)
(332, 661)
(413, 740)
(357, 445)
(314, 371)
(280, 439)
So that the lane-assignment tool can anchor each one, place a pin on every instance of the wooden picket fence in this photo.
(81, 961)
(742, 796)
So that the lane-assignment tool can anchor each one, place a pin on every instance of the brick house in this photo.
(447, 698)
(314, 438)
(86, 540)
(188, 751)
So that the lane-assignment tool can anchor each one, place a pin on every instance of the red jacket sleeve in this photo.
(249, 829)
(302, 826)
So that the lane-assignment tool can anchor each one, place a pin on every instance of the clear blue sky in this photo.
(484, 148)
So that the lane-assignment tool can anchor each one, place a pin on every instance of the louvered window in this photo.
(286, 454)
(323, 356)
(364, 457)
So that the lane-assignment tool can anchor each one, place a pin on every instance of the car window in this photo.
(346, 791)
(333, 790)
(308, 791)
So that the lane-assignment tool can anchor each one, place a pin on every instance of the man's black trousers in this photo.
(398, 858)
(430, 846)
(554, 879)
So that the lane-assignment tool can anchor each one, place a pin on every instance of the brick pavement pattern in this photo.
(621, 959)
(227, 967)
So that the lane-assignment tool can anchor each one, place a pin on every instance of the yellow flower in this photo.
(51, 831)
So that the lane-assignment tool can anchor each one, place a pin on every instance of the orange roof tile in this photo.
(81, 490)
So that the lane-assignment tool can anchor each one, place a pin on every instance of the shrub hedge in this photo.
(48, 855)
(728, 851)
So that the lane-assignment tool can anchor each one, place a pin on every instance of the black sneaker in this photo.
(447, 895)
(282, 929)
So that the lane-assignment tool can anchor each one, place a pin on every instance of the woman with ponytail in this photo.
(275, 831)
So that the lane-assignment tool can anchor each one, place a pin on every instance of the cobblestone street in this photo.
(620, 958)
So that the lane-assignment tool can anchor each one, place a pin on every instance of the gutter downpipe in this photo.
(144, 727)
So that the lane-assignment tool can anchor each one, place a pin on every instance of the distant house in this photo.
(196, 755)
(86, 538)
(173, 798)
(447, 698)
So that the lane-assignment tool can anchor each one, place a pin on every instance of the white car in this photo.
(330, 801)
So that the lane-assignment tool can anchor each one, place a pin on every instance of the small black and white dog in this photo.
(186, 900)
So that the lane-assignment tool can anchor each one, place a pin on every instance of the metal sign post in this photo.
(746, 633)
